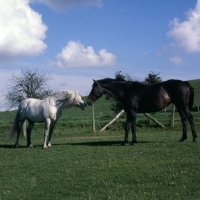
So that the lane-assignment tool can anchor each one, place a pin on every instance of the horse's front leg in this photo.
(29, 129)
(127, 128)
(133, 127)
(46, 133)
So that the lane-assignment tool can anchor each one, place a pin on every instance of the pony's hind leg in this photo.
(29, 129)
(19, 128)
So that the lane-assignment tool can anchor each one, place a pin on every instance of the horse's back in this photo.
(179, 87)
(153, 98)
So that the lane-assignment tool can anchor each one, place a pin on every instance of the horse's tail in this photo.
(13, 130)
(191, 100)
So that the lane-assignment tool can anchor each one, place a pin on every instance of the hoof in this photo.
(132, 143)
(30, 145)
(45, 147)
(49, 145)
(182, 139)
(123, 144)
(16, 145)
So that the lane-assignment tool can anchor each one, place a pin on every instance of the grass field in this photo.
(82, 164)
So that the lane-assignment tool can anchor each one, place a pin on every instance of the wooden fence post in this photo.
(112, 121)
(93, 118)
(172, 114)
(146, 114)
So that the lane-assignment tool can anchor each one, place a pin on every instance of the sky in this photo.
(77, 41)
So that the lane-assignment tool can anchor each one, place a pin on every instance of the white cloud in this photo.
(65, 5)
(60, 82)
(176, 60)
(187, 33)
(76, 54)
(22, 30)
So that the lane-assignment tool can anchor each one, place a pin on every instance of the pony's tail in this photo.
(13, 130)
(191, 100)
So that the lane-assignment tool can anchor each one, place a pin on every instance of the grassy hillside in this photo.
(196, 85)
(79, 122)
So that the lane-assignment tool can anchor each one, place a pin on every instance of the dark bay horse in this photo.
(137, 97)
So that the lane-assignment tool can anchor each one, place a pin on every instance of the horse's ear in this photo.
(94, 81)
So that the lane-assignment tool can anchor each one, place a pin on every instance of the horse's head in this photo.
(78, 102)
(95, 93)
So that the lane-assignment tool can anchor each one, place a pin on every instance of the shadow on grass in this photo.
(95, 143)
(11, 146)
(105, 143)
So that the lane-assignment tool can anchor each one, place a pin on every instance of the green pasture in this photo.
(82, 164)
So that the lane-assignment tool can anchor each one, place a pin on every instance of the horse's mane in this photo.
(121, 80)
(109, 80)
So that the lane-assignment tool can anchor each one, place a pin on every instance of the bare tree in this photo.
(30, 84)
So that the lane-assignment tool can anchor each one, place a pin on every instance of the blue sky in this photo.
(80, 40)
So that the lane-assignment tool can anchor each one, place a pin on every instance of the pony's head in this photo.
(67, 98)
(78, 102)
(96, 92)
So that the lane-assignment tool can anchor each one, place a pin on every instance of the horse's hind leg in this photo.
(191, 121)
(29, 129)
(186, 115)
(184, 123)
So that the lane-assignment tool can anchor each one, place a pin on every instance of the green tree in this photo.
(30, 84)
(152, 78)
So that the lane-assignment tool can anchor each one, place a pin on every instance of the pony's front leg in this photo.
(46, 133)
(52, 126)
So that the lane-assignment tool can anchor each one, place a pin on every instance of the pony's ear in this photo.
(94, 81)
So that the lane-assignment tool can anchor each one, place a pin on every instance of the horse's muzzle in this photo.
(89, 102)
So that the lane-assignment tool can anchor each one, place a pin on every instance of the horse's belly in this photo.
(152, 107)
